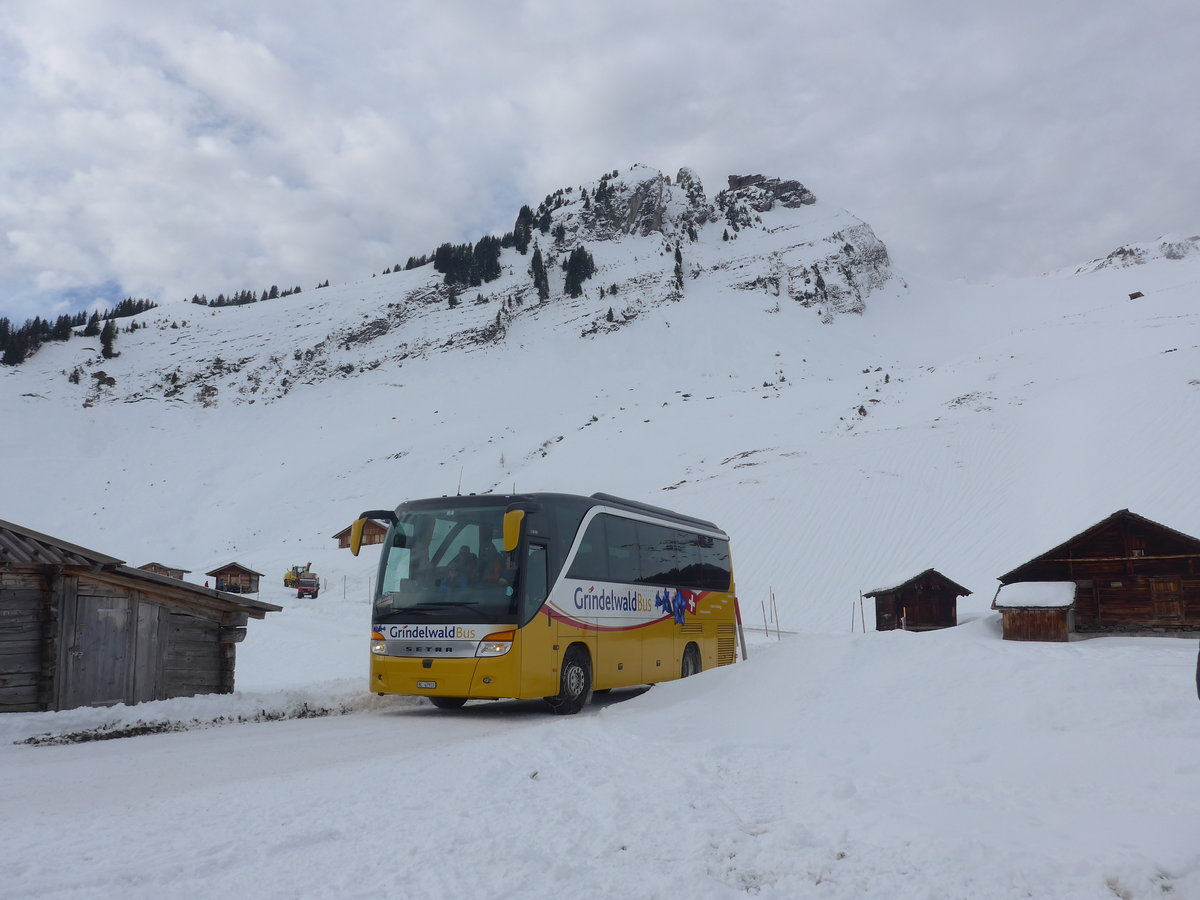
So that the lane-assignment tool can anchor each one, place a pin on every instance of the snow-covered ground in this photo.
(830, 764)
(886, 765)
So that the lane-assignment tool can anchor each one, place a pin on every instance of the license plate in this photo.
(426, 684)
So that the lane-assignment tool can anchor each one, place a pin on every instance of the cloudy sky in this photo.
(160, 149)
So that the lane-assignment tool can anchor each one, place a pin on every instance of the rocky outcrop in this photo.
(642, 202)
(749, 194)
(855, 264)
(1172, 247)
(651, 240)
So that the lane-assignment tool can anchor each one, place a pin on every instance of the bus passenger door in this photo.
(539, 658)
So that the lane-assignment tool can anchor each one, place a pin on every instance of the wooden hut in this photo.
(79, 628)
(1036, 610)
(373, 533)
(1129, 575)
(167, 571)
(922, 603)
(236, 578)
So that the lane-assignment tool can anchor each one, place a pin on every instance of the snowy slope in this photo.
(962, 427)
(896, 765)
(981, 405)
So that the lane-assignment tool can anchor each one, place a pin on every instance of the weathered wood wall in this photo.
(1036, 624)
(1130, 575)
(1118, 601)
(22, 639)
(69, 640)
(924, 607)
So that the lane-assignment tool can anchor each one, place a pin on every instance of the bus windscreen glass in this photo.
(447, 565)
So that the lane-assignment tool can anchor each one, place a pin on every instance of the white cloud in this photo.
(173, 149)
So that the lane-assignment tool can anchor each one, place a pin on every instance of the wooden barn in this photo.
(236, 578)
(373, 533)
(922, 603)
(1129, 575)
(168, 571)
(79, 628)
(1036, 610)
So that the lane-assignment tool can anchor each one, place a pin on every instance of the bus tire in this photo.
(574, 683)
(448, 702)
(691, 662)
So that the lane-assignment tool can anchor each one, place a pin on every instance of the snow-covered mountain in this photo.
(963, 427)
(1171, 246)
(844, 435)
(652, 241)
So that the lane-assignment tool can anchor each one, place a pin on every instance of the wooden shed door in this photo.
(1165, 594)
(97, 656)
(152, 624)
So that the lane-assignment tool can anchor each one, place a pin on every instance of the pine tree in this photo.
(93, 326)
(62, 329)
(523, 230)
(107, 336)
(537, 268)
(486, 260)
(16, 348)
(579, 267)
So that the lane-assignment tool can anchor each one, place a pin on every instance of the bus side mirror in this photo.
(356, 531)
(512, 529)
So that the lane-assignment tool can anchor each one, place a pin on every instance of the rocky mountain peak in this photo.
(592, 259)
(1172, 246)
(751, 194)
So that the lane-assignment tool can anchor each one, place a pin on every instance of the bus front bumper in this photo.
(475, 677)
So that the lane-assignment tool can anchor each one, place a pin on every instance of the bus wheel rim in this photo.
(575, 679)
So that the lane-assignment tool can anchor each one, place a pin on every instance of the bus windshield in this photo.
(447, 565)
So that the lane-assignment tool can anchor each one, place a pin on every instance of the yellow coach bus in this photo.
(545, 595)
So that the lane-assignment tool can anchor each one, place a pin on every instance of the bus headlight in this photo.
(378, 644)
(496, 644)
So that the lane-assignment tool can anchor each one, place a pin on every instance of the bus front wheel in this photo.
(448, 702)
(574, 683)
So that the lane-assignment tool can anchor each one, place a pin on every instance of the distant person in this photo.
(491, 566)
(1198, 674)
(462, 568)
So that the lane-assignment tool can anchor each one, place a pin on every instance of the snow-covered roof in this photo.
(1035, 594)
(900, 580)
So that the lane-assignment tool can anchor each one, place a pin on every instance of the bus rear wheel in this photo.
(448, 702)
(691, 662)
(575, 683)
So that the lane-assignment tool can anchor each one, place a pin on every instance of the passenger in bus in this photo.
(491, 566)
(463, 567)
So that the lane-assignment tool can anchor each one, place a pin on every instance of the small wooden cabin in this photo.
(236, 578)
(1036, 610)
(167, 571)
(373, 533)
(1130, 574)
(922, 603)
(79, 628)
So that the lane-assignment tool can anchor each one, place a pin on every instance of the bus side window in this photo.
(623, 562)
(657, 547)
(716, 565)
(534, 584)
(591, 560)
